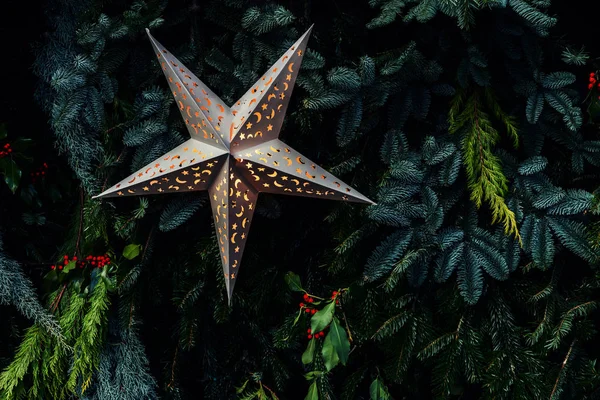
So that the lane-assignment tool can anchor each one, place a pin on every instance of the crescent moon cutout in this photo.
(296, 181)
(290, 67)
(273, 175)
(258, 116)
(244, 223)
(289, 161)
(179, 180)
(237, 182)
(299, 160)
(207, 171)
(233, 237)
(240, 213)
(277, 184)
(153, 182)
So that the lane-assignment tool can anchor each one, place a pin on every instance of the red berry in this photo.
(45, 165)
(305, 296)
(66, 257)
(93, 262)
(306, 310)
(53, 267)
(308, 330)
(590, 86)
(313, 311)
(74, 258)
(337, 302)
(60, 267)
(301, 304)
(310, 300)
(310, 336)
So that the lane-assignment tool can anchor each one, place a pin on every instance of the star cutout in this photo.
(280, 169)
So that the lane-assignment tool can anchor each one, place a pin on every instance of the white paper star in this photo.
(234, 153)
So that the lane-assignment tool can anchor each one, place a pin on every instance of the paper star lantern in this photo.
(234, 153)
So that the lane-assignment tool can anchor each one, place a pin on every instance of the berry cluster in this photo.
(6, 150)
(308, 299)
(40, 172)
(334, 296)
(316, 335)
(94, 261)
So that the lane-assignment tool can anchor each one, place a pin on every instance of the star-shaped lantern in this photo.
(234, 153)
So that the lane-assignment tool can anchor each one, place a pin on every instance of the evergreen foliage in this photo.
(474, 275)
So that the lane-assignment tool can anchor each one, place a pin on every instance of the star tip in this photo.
(148, 31)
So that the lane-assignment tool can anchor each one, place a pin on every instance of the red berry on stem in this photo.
(310, 300)
(308, 330)
(53, 267)
(310, 336)
(306, 310)
(60, 267)
(301, 304)
(313, 311)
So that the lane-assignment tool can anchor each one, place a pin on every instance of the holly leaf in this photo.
(378, 390)
(70, 266)
(293, 282)
(131, 251)
(329, 354)
(322, 318)
(313, 375)
(313, 392)
(11, 172)
(308, 355)
(340, 341)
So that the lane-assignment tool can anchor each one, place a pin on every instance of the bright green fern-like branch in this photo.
(486, 180)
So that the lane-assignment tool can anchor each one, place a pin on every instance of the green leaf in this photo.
(70, 266)
(293, 282)
(131, 251)
(329, 354)
(378, 390)
(340, 340)
(11, 172)
(322, 318)
(308, 355)
(313, 392)
(313, 375)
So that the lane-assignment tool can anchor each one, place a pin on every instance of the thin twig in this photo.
(56, 301)
(172, 382)
(564, 364)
